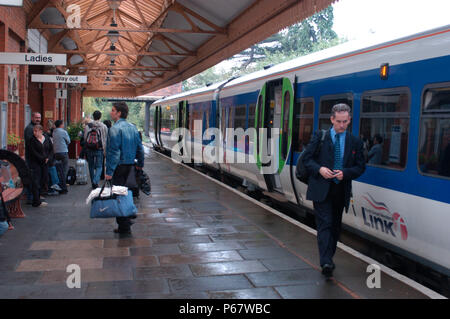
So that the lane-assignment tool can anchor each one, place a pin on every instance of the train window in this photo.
(240, 116)
(168, 119)
(434, 140)
(285, 128)
(196, 115)
(327, 103)
(384, 127)
(251, 115)
(305, 122)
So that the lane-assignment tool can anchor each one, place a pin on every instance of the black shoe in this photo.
(63, 192)
(94, 186)
(118, 231)
(327, 270)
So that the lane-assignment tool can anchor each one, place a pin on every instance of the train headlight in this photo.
(384, 71)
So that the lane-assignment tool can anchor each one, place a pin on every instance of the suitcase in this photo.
(82, 171)
(71, 175)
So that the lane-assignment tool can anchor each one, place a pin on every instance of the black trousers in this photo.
(120, 179)
(328, 215)
(39, 175)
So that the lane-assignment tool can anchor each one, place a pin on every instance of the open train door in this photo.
(183, 122)
(273, 121)
(158, 126)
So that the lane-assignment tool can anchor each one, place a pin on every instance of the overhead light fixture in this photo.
(113, 61)
(113, 35)
(108, 79)
(110, 72)
(114, 4)
(112, 48)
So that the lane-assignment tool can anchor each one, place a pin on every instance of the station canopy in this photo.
(135, 47)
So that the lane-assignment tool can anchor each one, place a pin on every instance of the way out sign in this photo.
(47, 78)
(33, 58)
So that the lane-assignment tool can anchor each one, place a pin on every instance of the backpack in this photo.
(71, 175)
(301, 172)
(93, 138)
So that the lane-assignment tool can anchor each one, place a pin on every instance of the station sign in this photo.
(53, 78)
(32, 58)
(12, 3)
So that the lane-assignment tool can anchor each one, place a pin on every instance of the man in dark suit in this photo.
(340, 160)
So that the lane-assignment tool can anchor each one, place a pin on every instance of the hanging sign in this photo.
(53, 78)
(32, 58)
(13, 3)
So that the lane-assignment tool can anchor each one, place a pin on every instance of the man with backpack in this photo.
(332, 160)
(95, 136)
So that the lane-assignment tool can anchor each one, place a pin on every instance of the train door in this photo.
(158, 126)
(274, 121)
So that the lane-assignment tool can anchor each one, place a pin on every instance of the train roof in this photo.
(345, 49)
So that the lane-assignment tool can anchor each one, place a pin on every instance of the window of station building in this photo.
(434, 139)
(327, 103)
(304, 122)
(240, 116)
(384, 127)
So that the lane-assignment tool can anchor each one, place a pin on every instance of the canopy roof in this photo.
(161, 42)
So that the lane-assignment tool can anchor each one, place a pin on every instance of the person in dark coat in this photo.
(41, 152)
(340, 160)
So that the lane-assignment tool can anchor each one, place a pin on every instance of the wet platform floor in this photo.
(192, 239)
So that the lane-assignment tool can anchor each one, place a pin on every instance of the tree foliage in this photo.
(136, 110)
(312, 34)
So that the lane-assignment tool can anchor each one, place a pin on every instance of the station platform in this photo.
(193, 239)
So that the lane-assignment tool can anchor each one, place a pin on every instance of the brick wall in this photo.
(12, 39)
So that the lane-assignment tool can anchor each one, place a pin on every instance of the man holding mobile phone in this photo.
(340, 160)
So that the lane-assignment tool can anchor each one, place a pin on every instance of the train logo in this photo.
(378, 216)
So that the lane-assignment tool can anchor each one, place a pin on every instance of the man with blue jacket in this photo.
(124, 146)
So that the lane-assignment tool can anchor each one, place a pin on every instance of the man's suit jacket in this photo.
(353, 165)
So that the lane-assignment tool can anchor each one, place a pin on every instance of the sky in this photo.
(359, 19)
(356, 19)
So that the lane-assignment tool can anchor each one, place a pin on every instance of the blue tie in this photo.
(337, 156)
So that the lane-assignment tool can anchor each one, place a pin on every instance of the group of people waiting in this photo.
(115, 151)
(45, 151)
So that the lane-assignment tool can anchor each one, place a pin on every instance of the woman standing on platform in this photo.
(41, 151)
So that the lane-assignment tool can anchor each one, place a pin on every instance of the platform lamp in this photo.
(113, 35)
(114, 4)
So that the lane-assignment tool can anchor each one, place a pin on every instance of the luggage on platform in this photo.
(71, 175)
(82, 171)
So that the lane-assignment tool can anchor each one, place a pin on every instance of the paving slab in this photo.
(192, 239)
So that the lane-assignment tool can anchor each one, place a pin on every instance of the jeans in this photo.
(64, 159)
(3, 227)
(95, 161)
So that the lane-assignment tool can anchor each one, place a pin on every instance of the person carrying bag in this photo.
(113, 205)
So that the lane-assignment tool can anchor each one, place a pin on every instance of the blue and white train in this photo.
(399, 90)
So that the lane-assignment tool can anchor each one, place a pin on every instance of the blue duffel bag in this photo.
(113, 205)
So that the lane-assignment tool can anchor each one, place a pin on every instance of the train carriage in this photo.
(398, 90)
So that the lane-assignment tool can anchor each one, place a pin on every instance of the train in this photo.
(398, 90)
